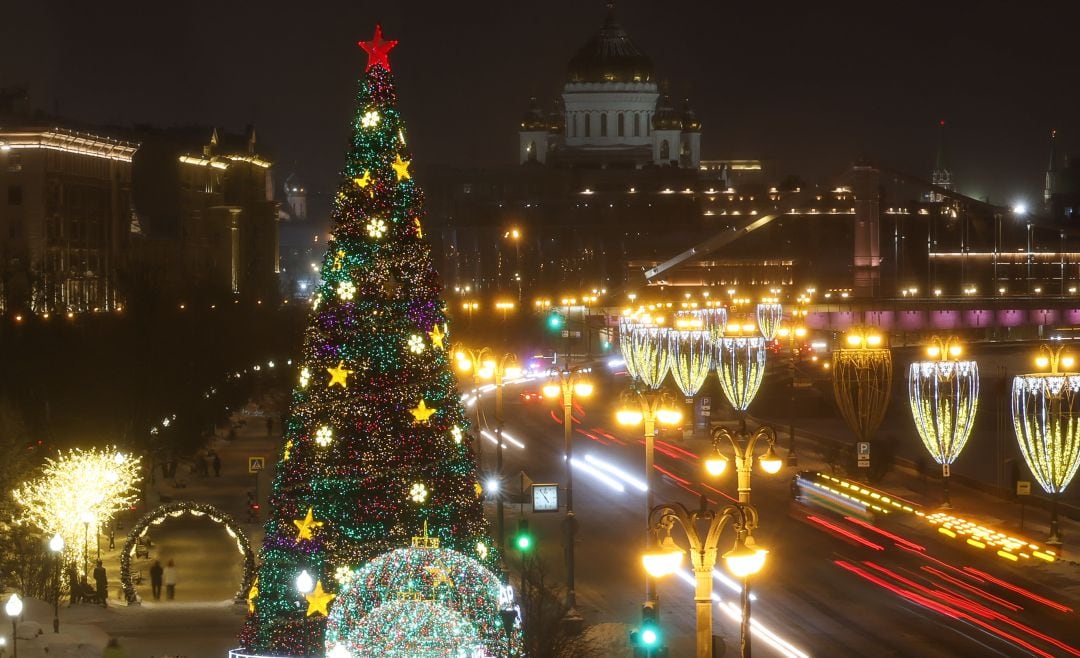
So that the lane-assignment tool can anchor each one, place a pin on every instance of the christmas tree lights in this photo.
(373, 443)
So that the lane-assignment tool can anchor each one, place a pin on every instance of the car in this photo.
(529, 397)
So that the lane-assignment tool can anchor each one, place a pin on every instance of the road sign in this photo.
(1023, 487)
(864, 463)
(256, 464)
(945, 470)
(864, 450)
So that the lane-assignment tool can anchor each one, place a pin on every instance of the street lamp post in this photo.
(793, 332)
(1044, 407)
(744, 560)
(742, 445)
(14, 608)
(87, 519)
(56, 545)
(569, 382)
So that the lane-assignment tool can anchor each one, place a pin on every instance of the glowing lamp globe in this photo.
(669, 416)
(745, 559)
(665, 560)
(584, 389)
(304, 582)
(628, 417)
(492, 485)
(551, 390)
(463, 364)
(512, 372)
(56, 544)
(771, 462)
(716, 465)
(14, 606)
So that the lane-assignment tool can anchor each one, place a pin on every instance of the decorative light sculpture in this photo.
(944, 396)
(626, 328)
(690, 349)
(714, 321)
(862, 381)
(769, 316)
(1047, 424)
(740, 365)
(649, 350)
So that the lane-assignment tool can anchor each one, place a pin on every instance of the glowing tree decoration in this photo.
(769, 316)
(649, 350)
(944, 396)
(1046, 419)
(413, 629)
(690, 349)
(626, 329)
(390, 458)
(740, 365)
(446, 577)
(77, 490)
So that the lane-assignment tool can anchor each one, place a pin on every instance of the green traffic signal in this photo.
(554, 321)
(523, 539)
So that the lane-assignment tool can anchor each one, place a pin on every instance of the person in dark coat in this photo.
(73, 585)
(101, 581)
(217, 464)
(156, 572)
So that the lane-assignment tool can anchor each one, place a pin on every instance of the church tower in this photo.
(1051, 170)
(941, 176)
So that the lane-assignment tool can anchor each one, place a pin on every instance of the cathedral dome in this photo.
(534, 119)
(610, 56)
(666, 117)
(690, 122)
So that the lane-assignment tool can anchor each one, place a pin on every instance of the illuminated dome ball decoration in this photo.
(409, 629)
(439, 575)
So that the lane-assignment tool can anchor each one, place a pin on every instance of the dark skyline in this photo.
(804, 86)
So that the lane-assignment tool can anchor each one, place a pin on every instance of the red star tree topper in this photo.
(377, 50)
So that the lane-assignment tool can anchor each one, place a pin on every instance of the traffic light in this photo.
(554, 321)
(648, 640)
(523, 540)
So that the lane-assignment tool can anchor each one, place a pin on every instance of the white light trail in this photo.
(617, 472)
(731, 584)
(596, 473)
(506, 438)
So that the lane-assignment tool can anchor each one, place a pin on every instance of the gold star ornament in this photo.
(318, 600)
(421, 412)
(306, 526)
(437, 337)
(401, 168)
(338, 375)
(363, 181)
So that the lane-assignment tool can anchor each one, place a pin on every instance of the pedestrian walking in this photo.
(73, 585)
(217, 464)
(170, 580)
(112, 649)
(101, 583)
(155, 579)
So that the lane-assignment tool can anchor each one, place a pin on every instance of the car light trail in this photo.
(506, 439)
(715, 490)
(591, 436)
(687, 453)
(846, 533)
(731, 584)
(599, 475)
(608, 435)
(885, 533)
(1009, 547)
(1019, 590)
(973, 589)
(617, 472)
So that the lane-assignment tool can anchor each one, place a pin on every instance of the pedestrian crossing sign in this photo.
(256, 464)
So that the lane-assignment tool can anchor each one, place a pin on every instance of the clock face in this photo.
(545, 497)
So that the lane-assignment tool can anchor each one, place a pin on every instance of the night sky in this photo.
(806, 86)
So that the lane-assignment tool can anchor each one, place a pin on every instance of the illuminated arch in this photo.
(177, 509)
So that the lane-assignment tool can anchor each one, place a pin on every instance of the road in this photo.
(823, 592)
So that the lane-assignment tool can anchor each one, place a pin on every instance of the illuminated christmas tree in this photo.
(374, 446)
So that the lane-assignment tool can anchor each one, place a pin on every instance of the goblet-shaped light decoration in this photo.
(714, 319)
(1046, 418)
(649, 350)
(769, 316)
(862, 381)
(944, 396)
(740, 365)
(626, 327)
(690, 349)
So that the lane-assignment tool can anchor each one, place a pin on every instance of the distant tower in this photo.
(296, 196)
(941, 176)
(533, 135)
(1048, 189)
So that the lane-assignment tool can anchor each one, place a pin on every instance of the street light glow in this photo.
(745, 559)
(304, 583)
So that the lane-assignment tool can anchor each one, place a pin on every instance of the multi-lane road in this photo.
(831, 587)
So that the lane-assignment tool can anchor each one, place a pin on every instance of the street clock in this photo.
(545, 498)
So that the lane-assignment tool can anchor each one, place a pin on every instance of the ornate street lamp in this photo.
(691, 352)
(769, 315)
(56, 545)
(743, 560)
(740, 365)
(1046, 418)
(793, 332)
(568, 383)
(862, 381)
(14, 608)
(742, 445)
(944, 396)
(649, 350)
